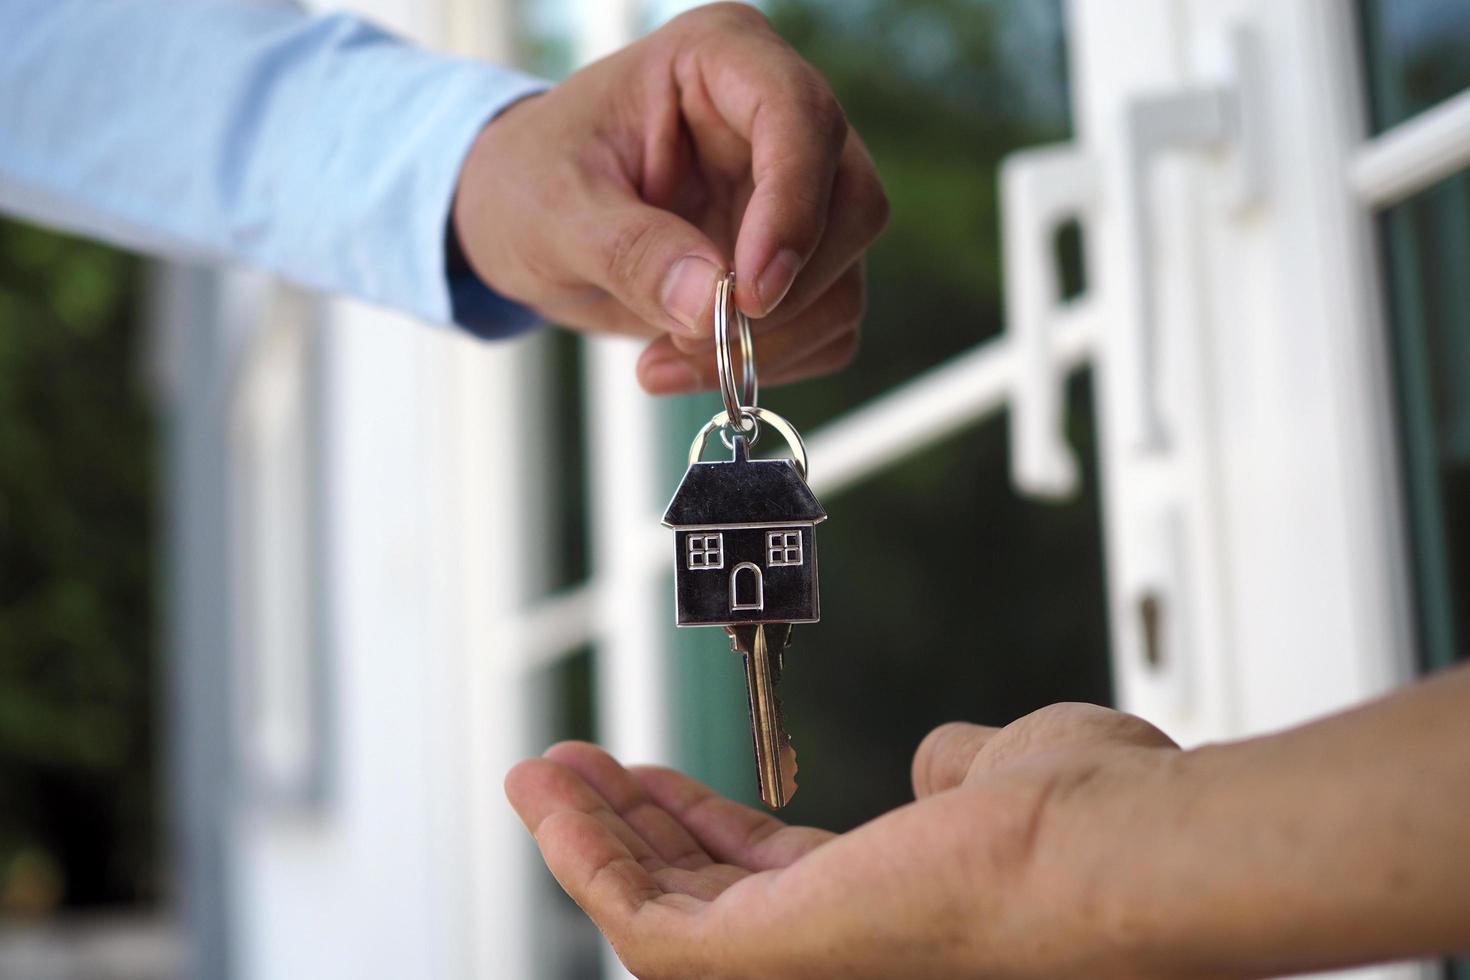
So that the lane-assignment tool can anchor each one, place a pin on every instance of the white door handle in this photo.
(1041, 191)
(1226, 116)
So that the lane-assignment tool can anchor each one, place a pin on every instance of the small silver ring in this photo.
(725, 364)
(756, 416)
(751, 433)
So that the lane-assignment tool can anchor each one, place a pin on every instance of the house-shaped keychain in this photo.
(745, 543)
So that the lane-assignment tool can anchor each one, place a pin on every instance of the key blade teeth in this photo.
(783, 787)
(788, 773)
(786, 758)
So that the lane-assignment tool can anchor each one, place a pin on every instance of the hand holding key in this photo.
(615, 202)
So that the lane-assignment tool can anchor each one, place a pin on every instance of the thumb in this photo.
(659, 266)
(946, 754)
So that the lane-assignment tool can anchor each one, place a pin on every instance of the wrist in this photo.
(1158, 914)
(1332, 845)
(478, 229)
(1103, 862)
(1195, 884)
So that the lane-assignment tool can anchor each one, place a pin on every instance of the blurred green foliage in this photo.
(941, 91)
(77, 614)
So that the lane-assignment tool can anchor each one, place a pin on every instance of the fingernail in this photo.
(674, 377)
(776, 279)
(687, 291)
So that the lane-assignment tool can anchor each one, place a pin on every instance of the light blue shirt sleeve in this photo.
(322, 148)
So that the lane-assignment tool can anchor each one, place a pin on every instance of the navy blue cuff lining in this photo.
(486, 314)
(477, 308)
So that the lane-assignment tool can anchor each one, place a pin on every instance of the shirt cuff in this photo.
(476, 307)
(462, 297)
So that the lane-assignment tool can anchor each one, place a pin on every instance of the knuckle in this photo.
(850, 301)
(870, 200)
(819, 105)
(725, 14)
(533, 272)
(844, 350)
(1064, 715)
(800, 91)
(928, 750)
(1141, 732)
(1019, 810)
(933, 753)
(1090, 723)
(625, 248)
(802, 197)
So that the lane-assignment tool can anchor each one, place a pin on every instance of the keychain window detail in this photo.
(783, 548)
(706, 551)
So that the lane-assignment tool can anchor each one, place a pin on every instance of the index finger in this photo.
(796, 129)
(587, 857)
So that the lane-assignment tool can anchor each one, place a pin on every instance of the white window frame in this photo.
(278, 654)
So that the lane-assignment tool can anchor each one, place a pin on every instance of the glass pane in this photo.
(1415, 55)
(1415, 58)
(941, 91)
(1426, 248)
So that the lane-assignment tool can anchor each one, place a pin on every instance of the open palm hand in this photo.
(686, 883)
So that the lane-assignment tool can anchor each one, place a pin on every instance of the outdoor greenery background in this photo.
(78, 787)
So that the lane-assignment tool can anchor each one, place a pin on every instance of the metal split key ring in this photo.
(740, 404)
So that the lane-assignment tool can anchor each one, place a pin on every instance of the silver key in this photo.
(762, 647)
